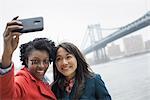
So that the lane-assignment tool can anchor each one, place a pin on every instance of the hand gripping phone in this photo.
(31, 24)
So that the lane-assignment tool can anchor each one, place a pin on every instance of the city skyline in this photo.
(132, 44)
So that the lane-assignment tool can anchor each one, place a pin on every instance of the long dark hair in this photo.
(37, 44)
(82, 72)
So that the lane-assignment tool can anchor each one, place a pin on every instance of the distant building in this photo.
(133, 44)
(147, 45)
(114, 51)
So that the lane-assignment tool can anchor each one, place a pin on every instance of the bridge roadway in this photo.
(134, 26)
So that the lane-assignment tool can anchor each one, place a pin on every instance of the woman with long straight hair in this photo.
(73, 79)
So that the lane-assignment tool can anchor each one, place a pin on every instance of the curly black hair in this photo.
(37, 44)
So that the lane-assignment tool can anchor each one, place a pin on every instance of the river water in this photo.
(128, 78)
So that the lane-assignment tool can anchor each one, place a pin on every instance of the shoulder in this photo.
(22, 72)
(95, 77)
(23, 75)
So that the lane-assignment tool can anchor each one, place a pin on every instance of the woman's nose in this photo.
(42, 64)
(65, 61)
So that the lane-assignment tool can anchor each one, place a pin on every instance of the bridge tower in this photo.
(95, 34)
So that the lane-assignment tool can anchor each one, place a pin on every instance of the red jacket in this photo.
(23, 87)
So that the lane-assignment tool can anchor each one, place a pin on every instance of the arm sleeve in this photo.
(100, 89)
(4, 71)
(8, 86)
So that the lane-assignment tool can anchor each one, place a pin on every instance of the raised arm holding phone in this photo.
(29, 83)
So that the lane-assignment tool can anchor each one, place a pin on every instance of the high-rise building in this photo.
(114, 51)
(147, 45)
(133, 44)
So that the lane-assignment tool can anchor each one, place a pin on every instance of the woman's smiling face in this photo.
(38, 63)
(66, 63)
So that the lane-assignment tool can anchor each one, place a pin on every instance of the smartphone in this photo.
(31, 24)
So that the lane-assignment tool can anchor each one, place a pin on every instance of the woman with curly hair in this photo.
(29, 83)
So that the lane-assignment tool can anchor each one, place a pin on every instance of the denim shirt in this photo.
(94, 90)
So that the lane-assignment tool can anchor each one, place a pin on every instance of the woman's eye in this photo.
(46, 61)
(68, 57)
(58, 59)
(35, 61)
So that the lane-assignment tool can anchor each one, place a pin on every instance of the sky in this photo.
(67, 20)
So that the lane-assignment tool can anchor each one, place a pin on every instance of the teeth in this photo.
(66, 68)
(40, 71)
